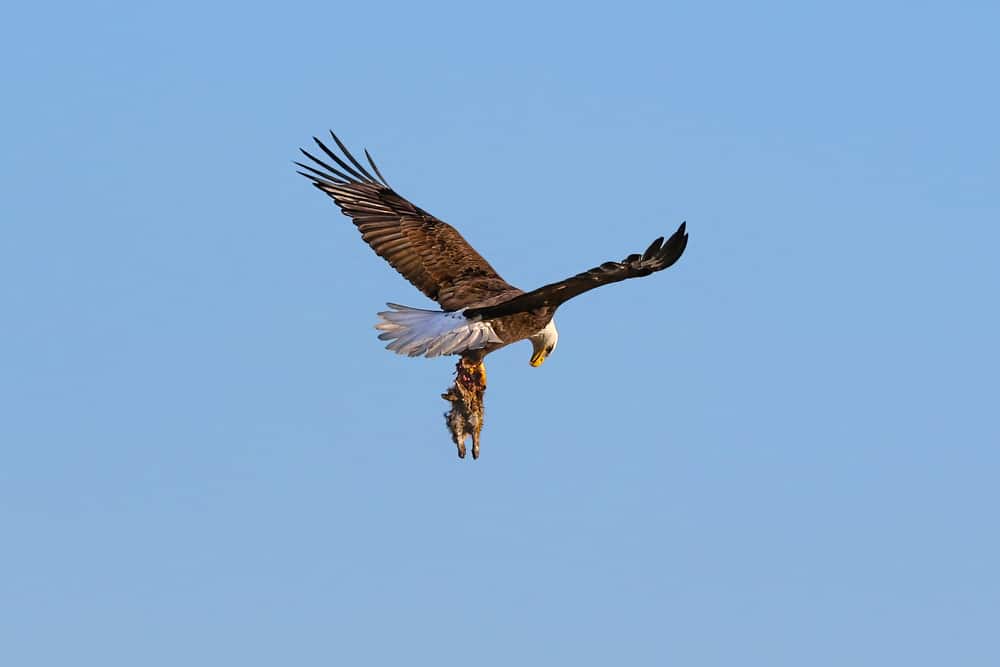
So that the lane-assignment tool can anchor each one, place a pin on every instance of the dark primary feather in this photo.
(658, 256)
(426, 251)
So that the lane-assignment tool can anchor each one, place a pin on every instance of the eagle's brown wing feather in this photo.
(658, 256)
(426, 251)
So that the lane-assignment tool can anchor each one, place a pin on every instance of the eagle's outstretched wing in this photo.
(658, 256)
(426, 251)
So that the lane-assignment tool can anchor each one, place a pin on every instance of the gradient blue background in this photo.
(782, 451)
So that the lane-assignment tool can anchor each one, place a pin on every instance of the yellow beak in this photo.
(537, 359)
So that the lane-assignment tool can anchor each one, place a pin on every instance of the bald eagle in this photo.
(480, 311)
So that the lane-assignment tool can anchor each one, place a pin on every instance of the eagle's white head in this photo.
(543, 342)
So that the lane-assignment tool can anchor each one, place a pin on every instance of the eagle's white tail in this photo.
(431, 333)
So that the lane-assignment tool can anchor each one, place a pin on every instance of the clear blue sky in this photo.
(782, 451)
